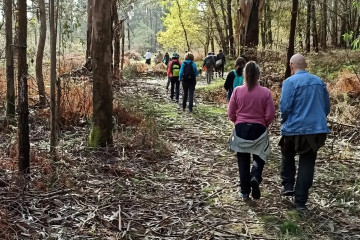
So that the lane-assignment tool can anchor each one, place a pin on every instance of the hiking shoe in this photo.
(288, 190)
(300, 206)
(255, 192)
(244, 196)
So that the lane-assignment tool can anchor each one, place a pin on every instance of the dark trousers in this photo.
(148, 61)
(305, 174)
(249, 131)
(189, 90)
(175, 88)
(221, 69)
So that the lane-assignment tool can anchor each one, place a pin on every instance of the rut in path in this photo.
(198, 193)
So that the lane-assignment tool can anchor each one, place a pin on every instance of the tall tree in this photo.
(324, 25)
(308, 26)
(89, 28)
(101, 133)
(53, 34)
(122, 48)
(268, 25)
(116, 37)
(344, 19)
(334, 23)
(183, 25)
(10, 85)
(218, 26)
(231, 31)
(314, 28)
(291, 49)
(23, 121)
(40, 53)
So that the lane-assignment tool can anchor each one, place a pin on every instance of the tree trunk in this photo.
(23, 121)
(117, 28)
(314, 28)
(101, 133)
(122, 48)
(334, 24)
(343, 24)
(231, 31)
(308, 26)
(252, 33)
(183, 26)
(218, 26)
(237, 28)
(52, 77)
(263, 30)
(226, 26)
(89, 27)
(40, 54)
(128, 35)
(324, 25)
(268, 25)
(10, 83)
(291, 49)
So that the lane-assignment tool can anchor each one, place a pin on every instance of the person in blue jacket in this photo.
(304, 107)
(188, 74)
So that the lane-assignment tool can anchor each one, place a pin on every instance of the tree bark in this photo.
(23, 121)
(101, 133)
(252, 33)
(291, 49)
(122, 49)
(89, 28)
(218, 26)
(52, 77)
(40, 54)
(334, 24)
(10, 83)
(231, 31)
(308, 26)
(324, 25)
(268, 25)
(343, 24)
(314, 28)
(116, 36)
(226, 26)
(183, 26)
(128, 35)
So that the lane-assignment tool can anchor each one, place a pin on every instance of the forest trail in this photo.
(195, 194)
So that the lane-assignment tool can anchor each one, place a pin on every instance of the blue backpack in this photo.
(188, 72)
(238, 81)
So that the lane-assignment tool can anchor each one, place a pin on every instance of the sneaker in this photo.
(288, 190)
(255, 192)
(244, 196)
(300, 206)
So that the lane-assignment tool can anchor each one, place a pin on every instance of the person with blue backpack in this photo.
(234, 78)
(188, 74)
(173, 74)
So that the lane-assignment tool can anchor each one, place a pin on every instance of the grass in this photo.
(213, 92)
(210, 113)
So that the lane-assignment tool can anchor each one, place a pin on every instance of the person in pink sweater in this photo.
(251, 109)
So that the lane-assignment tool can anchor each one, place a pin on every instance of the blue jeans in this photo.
(189, 90)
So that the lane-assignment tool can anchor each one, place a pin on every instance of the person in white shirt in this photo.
(148, 57)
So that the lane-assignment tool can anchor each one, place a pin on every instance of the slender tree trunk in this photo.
(252, 33)
(218, 26)
(101, 133)
(183, 26)
(324, 25)
(231, 31)
(334, 24)
(314, 28)
(226, 26)
(263, 29)
(291, 49)
(308, 26)
(89, 27)
(268, 25)
(117, 28)
(52, 77)
(237, 28)
(40, 54)
(343, 24)
(10, 83)
(128, 35)
(23, 121)
(122, 48)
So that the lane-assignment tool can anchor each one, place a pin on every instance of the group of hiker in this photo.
(304, 106)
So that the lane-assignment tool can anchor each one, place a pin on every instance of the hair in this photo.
(251, 74)
(220, 50)
(189, 56)
(239, 65)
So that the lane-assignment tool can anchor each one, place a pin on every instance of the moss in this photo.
(94, 137)
(289, 227)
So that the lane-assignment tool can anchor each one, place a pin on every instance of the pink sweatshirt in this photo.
(256, 106)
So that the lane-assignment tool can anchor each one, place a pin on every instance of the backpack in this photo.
(238, 81)
(188, 72)
(175, 69)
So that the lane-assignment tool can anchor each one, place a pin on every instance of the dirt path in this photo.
(200, 193)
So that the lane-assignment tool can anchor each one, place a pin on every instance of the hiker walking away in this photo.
(209, 64)
(251, 109)
(159, 57)
(173, 74)
(147, 57)
(220, 63)
(304, 106)
(166, 59)
(235, 77)
(188, 74)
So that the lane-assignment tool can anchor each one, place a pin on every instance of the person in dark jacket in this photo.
(238, 71)
(209, 64)
(173, 74)
(220, 63)
(166, 59)
(304, 107)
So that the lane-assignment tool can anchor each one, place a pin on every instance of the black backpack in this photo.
(188, 72)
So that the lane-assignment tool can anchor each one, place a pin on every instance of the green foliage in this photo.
(289, 227)
(352, 40)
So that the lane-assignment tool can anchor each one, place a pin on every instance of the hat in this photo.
(175, 55)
